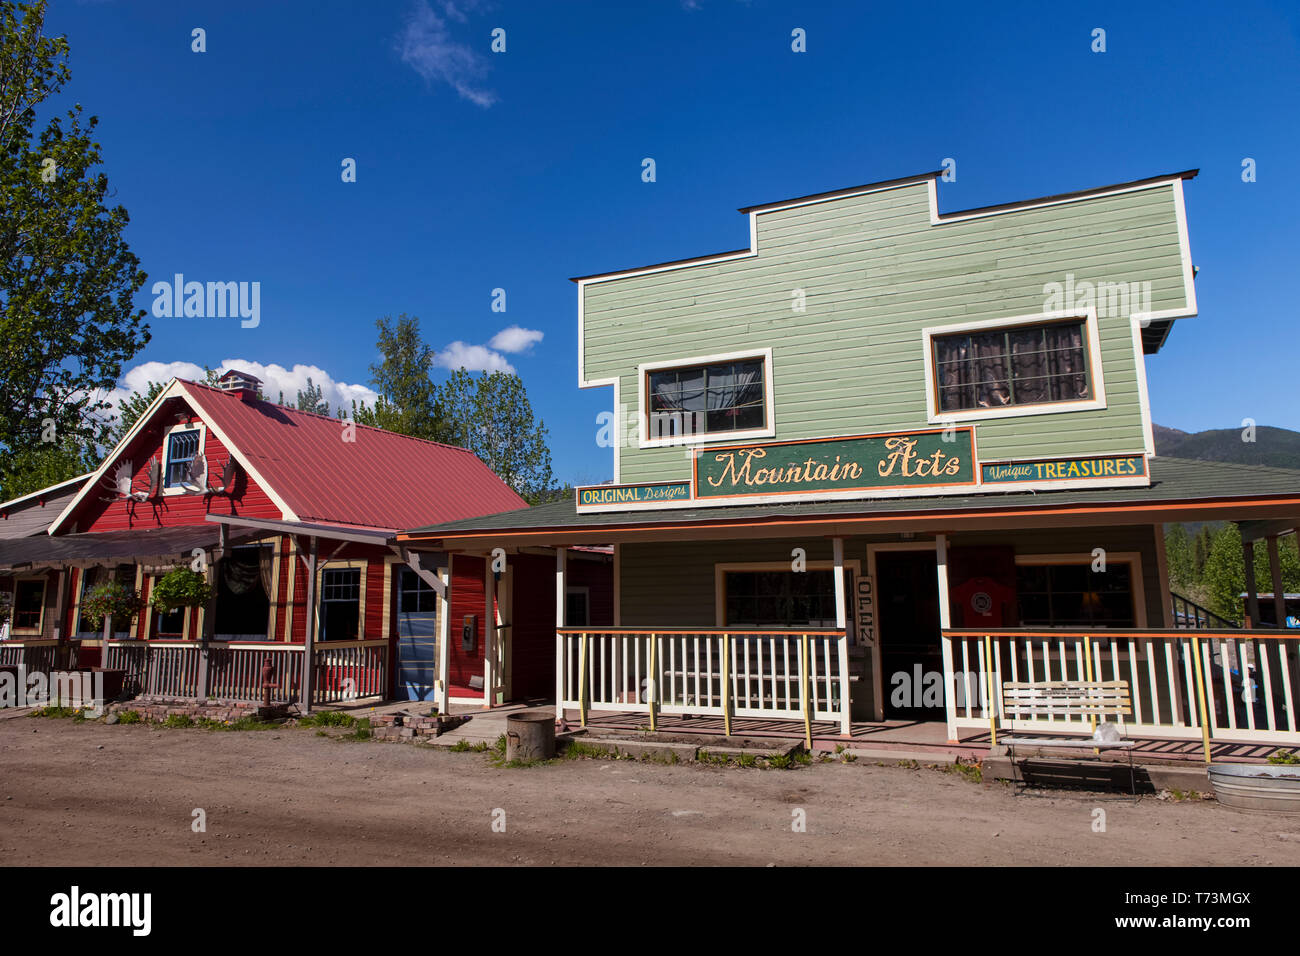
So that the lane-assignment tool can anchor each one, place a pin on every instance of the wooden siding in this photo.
(96, 514)
(875, 272)
(672, 584)
(35, 516)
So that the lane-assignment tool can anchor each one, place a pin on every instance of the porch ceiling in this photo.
(1180, 490)
(144, 544)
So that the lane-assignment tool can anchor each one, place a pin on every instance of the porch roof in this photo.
(1181, 489)
(144, 544)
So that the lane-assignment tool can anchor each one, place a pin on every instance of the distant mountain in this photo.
(1276, 447)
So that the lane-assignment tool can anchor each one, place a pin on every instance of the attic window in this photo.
(182, 446)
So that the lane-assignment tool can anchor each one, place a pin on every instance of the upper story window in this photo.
(725, 396)
(182, 446)
(1020, 365)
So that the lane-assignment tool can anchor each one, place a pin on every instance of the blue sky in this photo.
(479, 170)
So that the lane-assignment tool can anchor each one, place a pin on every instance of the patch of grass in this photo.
(331, 718)
(668, 757)
(130, 717)
(717, 760)
(464, 746)
(1285, 757)
(747, 760)
(577, 750)
(56, 712)
(780, 762)
(178, 720)
(908, 764)
(969, 771)
(241, 723)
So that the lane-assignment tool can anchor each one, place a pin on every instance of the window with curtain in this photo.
(1025, 365)
(28, 613)
(707, 399)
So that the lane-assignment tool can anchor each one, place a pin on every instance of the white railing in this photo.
(1169, 686)
(781, 674)
(32, 655)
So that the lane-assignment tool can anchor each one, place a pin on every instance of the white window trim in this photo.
(643, 408)
(39, 629)
(197, 426)
(1098, 385)
(1132, 558)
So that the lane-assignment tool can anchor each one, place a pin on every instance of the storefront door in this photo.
(907, 595)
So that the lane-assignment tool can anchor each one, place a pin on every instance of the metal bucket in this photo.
(1272, 788)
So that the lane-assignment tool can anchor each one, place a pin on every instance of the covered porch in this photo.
(904, 633)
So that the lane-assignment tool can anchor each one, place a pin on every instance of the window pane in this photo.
(1027, 365)
(723, 397)
(779, 598)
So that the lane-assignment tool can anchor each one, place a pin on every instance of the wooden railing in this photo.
(347, 670)
(785, 674)
(1246, 683)
(33, 655)
(343, 670)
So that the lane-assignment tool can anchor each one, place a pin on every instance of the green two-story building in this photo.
(885, 458)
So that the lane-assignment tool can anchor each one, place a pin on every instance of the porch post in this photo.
(841, 622)
(444, 639)
(945, 643)
(1275, 571)
(561, 558)
(1252, 589)
(490, 632)
(61, 589)
(309, 638)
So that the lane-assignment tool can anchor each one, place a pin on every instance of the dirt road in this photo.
(94, 794)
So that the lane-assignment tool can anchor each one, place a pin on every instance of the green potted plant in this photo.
(180, 587)
(111, 599)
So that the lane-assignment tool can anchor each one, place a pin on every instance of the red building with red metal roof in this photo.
(291, 518)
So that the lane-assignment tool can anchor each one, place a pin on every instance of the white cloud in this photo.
(515, 339)
(427, 46)
(475, 358)
(275, 379)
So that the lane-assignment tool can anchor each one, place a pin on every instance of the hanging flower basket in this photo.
(111, 599)
(179, 588)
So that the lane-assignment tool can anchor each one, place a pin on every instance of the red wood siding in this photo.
(466, 598)
(95, 514)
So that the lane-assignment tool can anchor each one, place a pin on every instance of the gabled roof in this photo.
(377, 480)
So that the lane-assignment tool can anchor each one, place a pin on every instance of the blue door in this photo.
(417, 638)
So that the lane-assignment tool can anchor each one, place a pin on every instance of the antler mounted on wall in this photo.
(120, 483)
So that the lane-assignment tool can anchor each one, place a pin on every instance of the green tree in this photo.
(490, 414)
(1225, 570)
(129, 412)
(67, 277)
(1179, 558)
(46, 465)
(401, 377)
(310, 399)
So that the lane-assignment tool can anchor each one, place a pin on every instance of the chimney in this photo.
(243, 384)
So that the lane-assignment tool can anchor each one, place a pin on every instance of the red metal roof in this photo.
(380, 480)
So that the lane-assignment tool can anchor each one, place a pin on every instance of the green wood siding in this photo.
(671, 584)
(875, 272)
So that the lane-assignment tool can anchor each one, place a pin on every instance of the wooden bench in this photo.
(1065, 699)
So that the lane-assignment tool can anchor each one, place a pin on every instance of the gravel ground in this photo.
(91, 794)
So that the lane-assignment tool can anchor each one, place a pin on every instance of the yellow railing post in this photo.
(988, 679)
(654, 682)
(807, 694)
(1200, 694)
(726, 684)
(582, 681)
(1087, 670)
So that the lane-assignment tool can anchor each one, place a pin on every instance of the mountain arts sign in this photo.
(844, 467)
